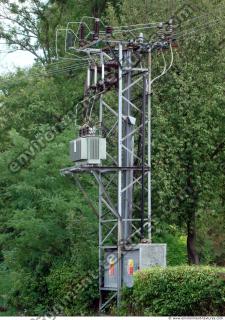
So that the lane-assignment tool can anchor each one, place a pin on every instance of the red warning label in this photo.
(130, 267)
(112, 267)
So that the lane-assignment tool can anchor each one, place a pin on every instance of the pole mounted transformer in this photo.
(114, 145)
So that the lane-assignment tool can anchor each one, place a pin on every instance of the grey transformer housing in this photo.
(141, 256)
(88, 150)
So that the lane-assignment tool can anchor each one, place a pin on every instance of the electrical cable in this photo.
(186, 34)
(190, 32)
(93, 97)
(90, 113)
(165, 69)
(195, 18)
(137, 25)
(135, 29)
(203, 15)
(152, 25)
(87, 99)
(55, 68)
(199, 27)
(194, 31)
(63, 62)
(72, 67)
(38, 75)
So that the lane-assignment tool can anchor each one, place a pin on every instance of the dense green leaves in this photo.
(48, 233)
(188, 120)
(44, 222)
(177, 291)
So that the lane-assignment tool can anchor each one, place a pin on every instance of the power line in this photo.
(57, 69)
(204, 15)
(200, 28)
(39, 75)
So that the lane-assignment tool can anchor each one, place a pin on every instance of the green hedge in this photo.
(176, 291)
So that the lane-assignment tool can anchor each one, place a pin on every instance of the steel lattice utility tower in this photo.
(118, 92)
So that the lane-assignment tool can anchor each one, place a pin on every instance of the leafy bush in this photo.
(183, 291)
(73, 291)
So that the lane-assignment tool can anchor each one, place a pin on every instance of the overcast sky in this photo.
(11, 61)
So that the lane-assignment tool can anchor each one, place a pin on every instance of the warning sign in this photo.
(130, 267)
(112, 266)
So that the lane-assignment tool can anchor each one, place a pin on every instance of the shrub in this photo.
(176, 291)
(73, 291)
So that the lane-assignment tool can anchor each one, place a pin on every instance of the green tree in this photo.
(31, 25)
(188, 121)
(48, 241)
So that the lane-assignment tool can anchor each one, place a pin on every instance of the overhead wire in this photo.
(47, 74)
(137, 25)
(204, 15)
(63, 62)
(71, 68)
(56, 69)
(59, 67)
(200, 27)
(165, 70)
(143, 26)
(149, 25)
(203, 24)
(131, 28)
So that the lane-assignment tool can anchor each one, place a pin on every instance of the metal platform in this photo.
(99, 169)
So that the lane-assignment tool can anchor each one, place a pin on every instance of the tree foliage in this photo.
(48, 232)
(188, 121)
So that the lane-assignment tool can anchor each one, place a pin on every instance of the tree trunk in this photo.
(191, 240)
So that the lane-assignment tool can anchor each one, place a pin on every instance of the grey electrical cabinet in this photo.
(88, 150)
(139, 257)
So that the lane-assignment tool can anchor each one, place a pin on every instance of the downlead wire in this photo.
(165, 70)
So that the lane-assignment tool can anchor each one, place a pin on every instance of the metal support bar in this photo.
(143, 160)
(109, 207)
(109, 203)
(111, 130)
(149, 145)
(108, 301)
(110, 109)
(120, 134)
(132, 104)
(109, 233)
(131, 184)
(132, 84)
(132, 132)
